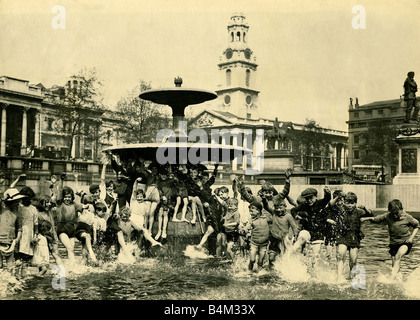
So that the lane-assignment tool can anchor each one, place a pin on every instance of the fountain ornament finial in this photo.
(178, 81)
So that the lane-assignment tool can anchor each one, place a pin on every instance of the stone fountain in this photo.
(179, 234)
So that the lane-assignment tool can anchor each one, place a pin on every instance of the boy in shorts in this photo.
(402, 229)
(260, 233)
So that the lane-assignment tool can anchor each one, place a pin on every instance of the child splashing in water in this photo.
(86, 228)
(127, 226)
(350, 240)
(136, 213)
(260, 233)
(67, 217)
(402, 229)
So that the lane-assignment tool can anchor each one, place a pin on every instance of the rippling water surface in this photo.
(189, 277)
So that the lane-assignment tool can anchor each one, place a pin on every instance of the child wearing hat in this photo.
(260, 232)
(10, 228)
(312, 218)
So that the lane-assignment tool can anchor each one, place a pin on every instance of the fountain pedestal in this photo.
(275, 160)
(408, 141)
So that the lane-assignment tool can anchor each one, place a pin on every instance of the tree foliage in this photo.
(80, 105)
(377, 142)
(143, 118)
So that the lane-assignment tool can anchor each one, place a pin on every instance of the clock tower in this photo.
(237, 66)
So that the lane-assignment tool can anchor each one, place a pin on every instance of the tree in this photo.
(143, 118)
(379, 147)
(80, 107)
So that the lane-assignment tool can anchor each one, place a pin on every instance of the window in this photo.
(238, 35)
(368, 113)
(231, 37)
(356, 114)
(243, 37)
(228, 77)
(356, 154)
(248, 116)
(49, 123)
(380, 111)
(247, 77)
(356, 139)
(227, 99)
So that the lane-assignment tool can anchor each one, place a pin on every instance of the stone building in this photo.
(31, 124)
(360, 116)
(35, 140)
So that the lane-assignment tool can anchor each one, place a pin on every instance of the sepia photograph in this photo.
(209, 155)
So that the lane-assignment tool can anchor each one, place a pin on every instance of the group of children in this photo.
(258, 226)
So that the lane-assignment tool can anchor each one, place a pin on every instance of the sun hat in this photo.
(12, 194)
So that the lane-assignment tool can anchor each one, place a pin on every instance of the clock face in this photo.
(248, 100)
(247, 53)
(229, 53)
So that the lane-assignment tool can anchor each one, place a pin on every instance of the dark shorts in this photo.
(393, 248)
(69, 228)
(82, 228)
(350, 240)
(232, 236)
(274, 245)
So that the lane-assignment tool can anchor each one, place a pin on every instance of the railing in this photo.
(79, 167)
(32, 164)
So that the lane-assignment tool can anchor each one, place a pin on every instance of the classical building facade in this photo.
(31, 124)
(35, 140)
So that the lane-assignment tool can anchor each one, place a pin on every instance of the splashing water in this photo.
(412, 284)
(194, 253)
(292, 268)
(9, 284)
(128, 256)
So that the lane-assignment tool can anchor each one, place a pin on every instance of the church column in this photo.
(342, 158)
(24, 131)
(3, 129)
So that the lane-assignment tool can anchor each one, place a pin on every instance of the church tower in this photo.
(236, 93)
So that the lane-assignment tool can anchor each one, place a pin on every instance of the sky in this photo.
(311, 57)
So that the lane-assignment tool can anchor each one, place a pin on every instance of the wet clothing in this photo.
(399, 230)
(393, 248)
(67, 218)
(338, 214)
(313, 218)
(354, 234)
